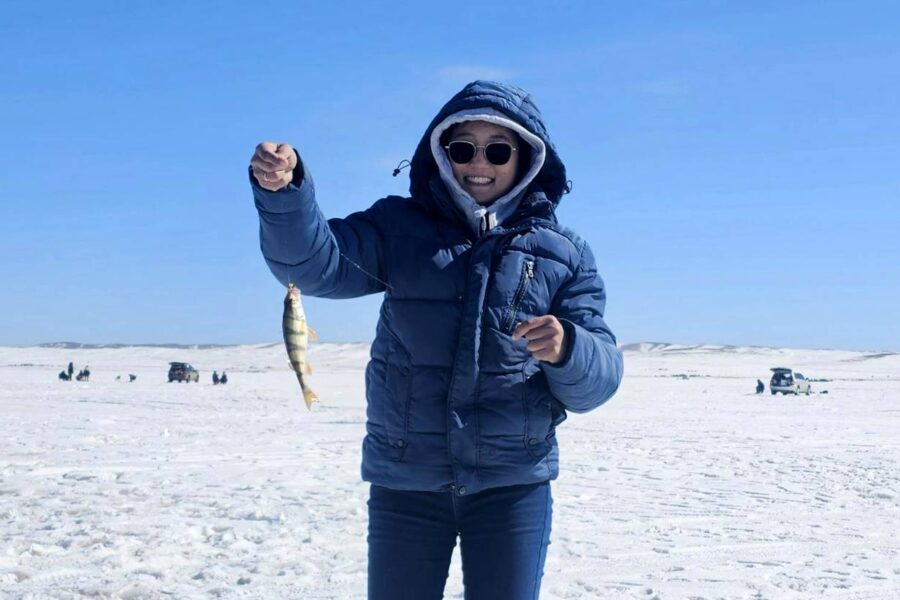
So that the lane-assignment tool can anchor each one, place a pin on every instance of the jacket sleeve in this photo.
(591, 369)
(337, 258)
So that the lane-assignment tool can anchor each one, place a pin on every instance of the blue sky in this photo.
(735, 165)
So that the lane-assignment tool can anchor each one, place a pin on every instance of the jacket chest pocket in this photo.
(526, 279)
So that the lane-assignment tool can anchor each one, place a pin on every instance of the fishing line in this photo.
(345, 257)
(382, 281)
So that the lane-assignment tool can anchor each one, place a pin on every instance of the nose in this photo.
(479, 158)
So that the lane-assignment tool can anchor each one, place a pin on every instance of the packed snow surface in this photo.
(685, 485)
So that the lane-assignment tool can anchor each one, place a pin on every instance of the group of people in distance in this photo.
(83, 375)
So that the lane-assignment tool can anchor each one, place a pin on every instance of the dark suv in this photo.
(179, 371)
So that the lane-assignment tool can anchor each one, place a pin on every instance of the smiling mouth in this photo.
(477, 180)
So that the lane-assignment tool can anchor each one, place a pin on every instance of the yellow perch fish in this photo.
(296, 339)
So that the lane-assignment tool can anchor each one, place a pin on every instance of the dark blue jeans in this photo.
(503, 533)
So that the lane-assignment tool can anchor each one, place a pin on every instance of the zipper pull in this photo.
(529, 269)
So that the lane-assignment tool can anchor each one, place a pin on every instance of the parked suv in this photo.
(179, 371)
(788, 382)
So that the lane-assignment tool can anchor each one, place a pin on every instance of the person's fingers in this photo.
(261, 176)
(286, 156)
(267, 160)
(541, 335)
(548, 350)
(547, 356)
(529, 327)
(544, 336)
(280, 179)
(523, 328)
(267, 150)
(541, 345)
(271, 181)
(268, 174)
(273, 164)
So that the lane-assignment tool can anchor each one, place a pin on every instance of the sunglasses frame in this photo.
(483, 151)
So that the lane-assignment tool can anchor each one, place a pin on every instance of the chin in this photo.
(482, 197)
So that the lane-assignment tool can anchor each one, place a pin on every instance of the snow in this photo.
(685, 485)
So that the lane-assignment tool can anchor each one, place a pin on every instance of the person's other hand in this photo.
(273, 165)
(546, 337)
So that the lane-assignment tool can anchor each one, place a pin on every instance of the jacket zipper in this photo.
(453, 467)
(527, 276)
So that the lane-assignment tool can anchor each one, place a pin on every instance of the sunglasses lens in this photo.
(461, 152)
(498, 153)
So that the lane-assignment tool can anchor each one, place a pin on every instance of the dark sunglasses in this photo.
(496, 153)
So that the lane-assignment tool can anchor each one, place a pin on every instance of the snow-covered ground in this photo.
(685, 485)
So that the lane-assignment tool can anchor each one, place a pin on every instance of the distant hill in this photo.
(80, 346)
(670, 348)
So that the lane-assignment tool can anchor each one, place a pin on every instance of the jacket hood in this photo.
(502, 101)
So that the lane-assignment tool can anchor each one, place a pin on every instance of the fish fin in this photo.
(312, 334)
(308, 369)
(309, 397)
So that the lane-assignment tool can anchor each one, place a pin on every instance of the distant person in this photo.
(131, 377)
(760, 386)
(215, 378)
(223, 379)
(71, 370)
(491, 330)
(63, 376)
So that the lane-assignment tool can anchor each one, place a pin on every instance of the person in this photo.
(70, 370)
(760, 386)
(215, 378)
(491, 331)
(223, 379)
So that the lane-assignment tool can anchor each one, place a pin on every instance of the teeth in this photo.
(479, 180)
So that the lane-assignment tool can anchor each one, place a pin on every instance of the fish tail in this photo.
(309, 397)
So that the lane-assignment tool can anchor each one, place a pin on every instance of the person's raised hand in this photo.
(273, 165)
(546, 338)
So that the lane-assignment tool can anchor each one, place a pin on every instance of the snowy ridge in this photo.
(80, 346)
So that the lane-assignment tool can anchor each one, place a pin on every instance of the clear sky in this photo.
(736, 165)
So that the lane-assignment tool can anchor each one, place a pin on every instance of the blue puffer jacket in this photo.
(454, 404)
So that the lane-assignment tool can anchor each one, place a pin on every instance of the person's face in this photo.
(480, 178)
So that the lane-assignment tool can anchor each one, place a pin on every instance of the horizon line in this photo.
(631, 346)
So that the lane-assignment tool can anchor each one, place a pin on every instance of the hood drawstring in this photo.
(486, 220)
(401, 166)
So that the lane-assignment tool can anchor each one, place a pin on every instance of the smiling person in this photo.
(491, 331)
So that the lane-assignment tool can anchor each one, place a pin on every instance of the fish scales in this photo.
(296, 341)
